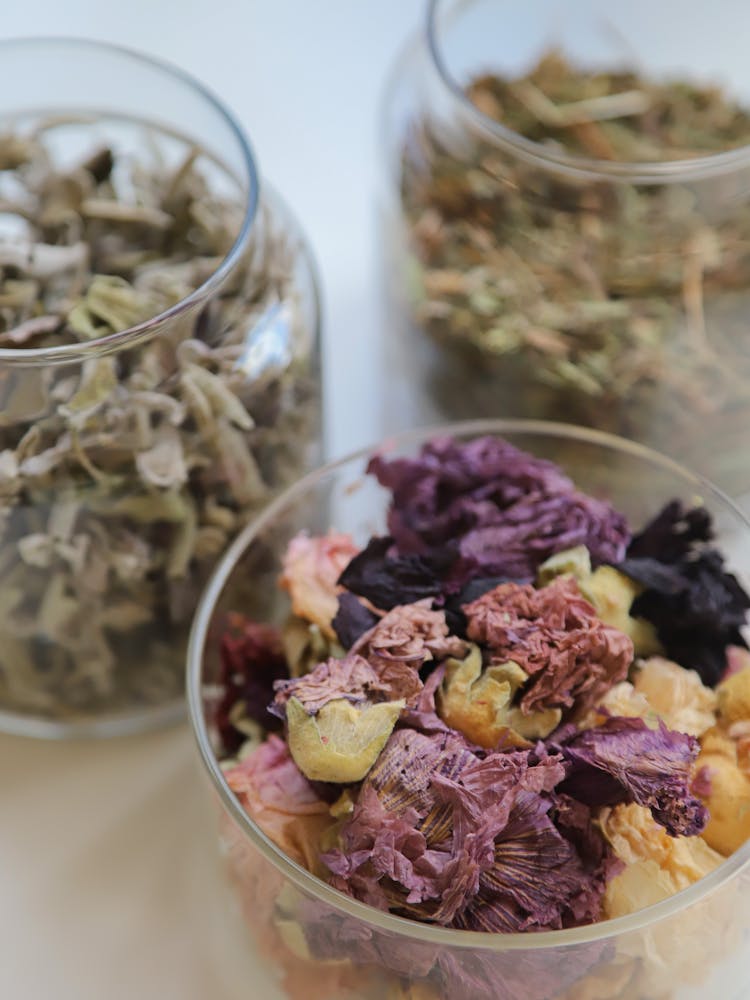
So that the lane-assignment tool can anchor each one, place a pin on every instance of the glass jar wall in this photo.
(566, 223)
(159, 375)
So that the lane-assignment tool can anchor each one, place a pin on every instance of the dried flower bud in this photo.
(342, 742)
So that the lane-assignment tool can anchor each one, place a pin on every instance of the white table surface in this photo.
(106, 870)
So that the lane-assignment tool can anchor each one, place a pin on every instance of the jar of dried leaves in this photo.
(567, 222)
(159, 375)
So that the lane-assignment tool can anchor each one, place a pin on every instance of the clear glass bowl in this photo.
(132, 452)
(528, 281)
(317, 942)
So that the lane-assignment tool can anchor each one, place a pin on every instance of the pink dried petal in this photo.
(312, 566)
(571, 657)
(273, 792)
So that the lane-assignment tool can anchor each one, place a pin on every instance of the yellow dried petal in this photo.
(537, 725)
(575, 561)
(477, 702)
(612, 594)
(657, 865)
(341, 742)
(677, 695)
(728, 798)
(734, 697)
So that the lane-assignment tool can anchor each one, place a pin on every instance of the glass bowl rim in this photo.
(134, 335)
(633, 172)
(311, 884)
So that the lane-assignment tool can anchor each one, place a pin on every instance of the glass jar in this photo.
(525, 279)
(159, 375)
(317, 943)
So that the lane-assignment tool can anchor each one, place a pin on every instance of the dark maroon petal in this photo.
(624, 761)
(252, 660)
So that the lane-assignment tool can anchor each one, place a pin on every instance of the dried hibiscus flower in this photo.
(442, 834)
(571, 658)
(508, 510)
(623, 760)
(697, 607)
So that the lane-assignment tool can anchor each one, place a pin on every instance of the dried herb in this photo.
(610, 302)
(123, 477)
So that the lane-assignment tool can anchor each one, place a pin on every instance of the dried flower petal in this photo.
(282, 802)
(509, 510)
(734, 697)
(725, 789)
(677, 695)
(656, 865)
(341, 742)
(352, 678)
(252, 659)
(410, 633)
(387, 578)
(477, 702)
(571, 658)
(312, 567)
(624, 761)
(440, 834)
(351, 619)
(697, 607)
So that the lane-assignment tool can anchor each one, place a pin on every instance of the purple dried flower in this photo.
(698, 608)
(509, 510)
(442, 834)
(623, 760)
(386, 577)
(352, 619)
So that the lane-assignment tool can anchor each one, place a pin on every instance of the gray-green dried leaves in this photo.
(123, 478)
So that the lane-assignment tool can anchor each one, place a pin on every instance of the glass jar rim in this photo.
(310, 884)
(76, 351)
(633, 172)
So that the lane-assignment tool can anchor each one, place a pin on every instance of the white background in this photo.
(106, 875)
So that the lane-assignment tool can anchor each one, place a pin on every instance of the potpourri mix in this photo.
(514, 712)
(588, 297)
(124, 475)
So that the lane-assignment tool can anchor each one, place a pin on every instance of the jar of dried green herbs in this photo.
(159, 375)
(567, 222)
